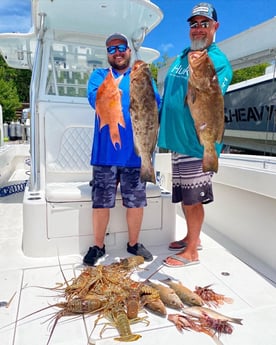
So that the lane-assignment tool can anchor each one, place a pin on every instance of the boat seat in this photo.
(81, 192)
(68, 169)
(68, 160)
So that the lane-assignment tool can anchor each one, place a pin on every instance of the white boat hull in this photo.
(243, 215)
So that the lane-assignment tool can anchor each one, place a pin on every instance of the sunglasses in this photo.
(121, 48)
(203, 25)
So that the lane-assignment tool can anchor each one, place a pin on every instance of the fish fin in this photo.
(101, 122)
(191, 95)
(228, 300)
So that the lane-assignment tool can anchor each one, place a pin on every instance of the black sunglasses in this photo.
(120, 47)
(204, 25)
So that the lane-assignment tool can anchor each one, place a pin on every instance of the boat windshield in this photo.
(70, 66)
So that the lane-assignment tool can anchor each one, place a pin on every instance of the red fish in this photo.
(109, 107)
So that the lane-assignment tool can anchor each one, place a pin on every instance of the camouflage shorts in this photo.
(105, 183)
(190, 184)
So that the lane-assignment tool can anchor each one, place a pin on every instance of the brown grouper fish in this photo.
(109, 107)
(144, 117)
(206, 104)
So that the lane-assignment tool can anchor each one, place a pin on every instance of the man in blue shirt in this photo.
(113, 164)
(191, 186)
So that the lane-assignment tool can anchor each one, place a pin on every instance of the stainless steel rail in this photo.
(34, 91)
(264, 162)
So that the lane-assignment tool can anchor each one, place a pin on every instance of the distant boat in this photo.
(250, 106)
(250, 115)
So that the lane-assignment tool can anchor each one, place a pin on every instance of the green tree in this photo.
(8, 99)
(154, 71)
(22, 81)
(163, 63)
(249, 73)
(14, 86)
(154, 67)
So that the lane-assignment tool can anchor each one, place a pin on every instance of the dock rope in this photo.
(16, 187)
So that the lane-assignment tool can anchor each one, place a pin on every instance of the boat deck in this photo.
(254, 297)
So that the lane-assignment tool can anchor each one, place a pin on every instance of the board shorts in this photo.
(105, 182)
(190, 185)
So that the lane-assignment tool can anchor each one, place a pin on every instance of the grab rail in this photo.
(35, 84)
(264, 162)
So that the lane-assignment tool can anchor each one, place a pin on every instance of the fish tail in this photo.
(115, 136)
(167, 280)
(116, 140)
(210, 161)
(147, 173)
(236, 320)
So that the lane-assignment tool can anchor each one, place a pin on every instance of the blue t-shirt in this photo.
(103, 151)
(177, 131)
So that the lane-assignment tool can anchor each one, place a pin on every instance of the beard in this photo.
(199, 44)
(119, 66)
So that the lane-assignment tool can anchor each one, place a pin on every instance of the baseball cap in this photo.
(204, 9)
(116, 36)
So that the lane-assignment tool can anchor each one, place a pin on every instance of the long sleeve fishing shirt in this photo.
(103, 151)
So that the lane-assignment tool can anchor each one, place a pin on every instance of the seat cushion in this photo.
(81, 191)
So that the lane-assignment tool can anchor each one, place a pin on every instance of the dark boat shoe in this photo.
(93, 254)
(139, 249)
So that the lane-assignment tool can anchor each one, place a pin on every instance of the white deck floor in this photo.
(254, 297)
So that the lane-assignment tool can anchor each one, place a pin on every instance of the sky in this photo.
(15, 15)
(170, 37)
